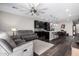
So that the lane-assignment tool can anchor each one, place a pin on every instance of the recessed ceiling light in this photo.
(67, 10)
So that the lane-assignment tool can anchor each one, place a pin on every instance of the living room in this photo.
(46, 33)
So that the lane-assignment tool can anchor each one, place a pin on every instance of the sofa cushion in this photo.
(24, 32)
(6, 46)
(6, 37)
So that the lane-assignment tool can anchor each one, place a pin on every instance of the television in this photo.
(42, 25)
(39, 24)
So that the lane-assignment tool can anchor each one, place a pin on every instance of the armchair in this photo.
(9, 48)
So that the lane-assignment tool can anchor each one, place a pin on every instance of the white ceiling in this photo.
(61, 11)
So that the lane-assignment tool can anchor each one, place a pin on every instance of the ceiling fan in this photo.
(32, 9)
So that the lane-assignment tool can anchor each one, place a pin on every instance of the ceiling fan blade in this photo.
(32, 14)
(14, 7)
(43, 9)
(24, 10)
(30, 5)
(27, 13)
(38, 5)
(20, 8)
(41, 12)
(37, 14)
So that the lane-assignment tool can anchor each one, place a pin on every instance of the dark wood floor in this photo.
(75, 42)
(75, 45)
(62, 47)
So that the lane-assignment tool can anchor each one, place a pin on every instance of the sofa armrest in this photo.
(21, 49)
(23, 46)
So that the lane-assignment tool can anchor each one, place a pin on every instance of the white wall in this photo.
(77, 28)
(68, 27)
(7, 21)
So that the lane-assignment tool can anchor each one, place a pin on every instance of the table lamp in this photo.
(14, 31)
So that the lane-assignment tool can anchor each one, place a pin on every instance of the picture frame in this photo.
(63, 26)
